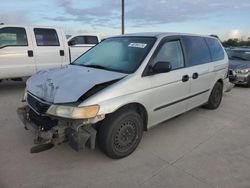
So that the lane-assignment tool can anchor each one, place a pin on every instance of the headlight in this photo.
(243, 71)
(73, 112)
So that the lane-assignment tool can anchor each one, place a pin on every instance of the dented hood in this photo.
(67, 84)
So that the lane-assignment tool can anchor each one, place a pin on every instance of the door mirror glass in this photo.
(162, 67)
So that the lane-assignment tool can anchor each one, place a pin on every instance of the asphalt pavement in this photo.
(201, 148)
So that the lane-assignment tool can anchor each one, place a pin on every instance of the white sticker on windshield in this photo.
(137, 45)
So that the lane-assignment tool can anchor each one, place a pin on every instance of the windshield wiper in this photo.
(240, 58)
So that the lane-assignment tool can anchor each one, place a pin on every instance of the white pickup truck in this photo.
(25, 50)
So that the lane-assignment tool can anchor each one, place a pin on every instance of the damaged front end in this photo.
(50, 130)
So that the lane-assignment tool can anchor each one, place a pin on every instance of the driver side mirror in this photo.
(161, 67)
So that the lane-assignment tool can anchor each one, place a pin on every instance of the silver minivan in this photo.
(122, 87)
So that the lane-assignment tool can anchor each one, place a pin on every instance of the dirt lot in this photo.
(201, 148)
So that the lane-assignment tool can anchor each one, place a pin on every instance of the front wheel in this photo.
(120, 134)
(215, 96)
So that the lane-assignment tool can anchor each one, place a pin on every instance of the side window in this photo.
(196, 50)
(77, 40)
(13, 36)
(46, 37)
(171, 52)
(216, 50)
(91, 40)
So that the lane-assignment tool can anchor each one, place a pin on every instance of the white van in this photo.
(25, 50)
(122, 87)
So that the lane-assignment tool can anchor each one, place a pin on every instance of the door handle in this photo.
(61, 52)
(195, 75)
(30, 53)
(185, 78)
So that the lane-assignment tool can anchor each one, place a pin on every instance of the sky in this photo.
(225, 18)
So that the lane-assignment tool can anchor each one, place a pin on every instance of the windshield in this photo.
(120, 54)
(239, 55)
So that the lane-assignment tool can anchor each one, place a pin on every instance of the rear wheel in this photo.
(215, 96)
(248, 81)
(120, 133)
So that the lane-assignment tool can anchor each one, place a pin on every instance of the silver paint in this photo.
(68, 83)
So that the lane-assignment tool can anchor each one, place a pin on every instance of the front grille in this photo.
(38, 106)
(44, 122)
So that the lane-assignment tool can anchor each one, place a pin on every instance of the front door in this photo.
(170, 89)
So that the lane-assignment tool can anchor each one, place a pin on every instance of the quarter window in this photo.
(171, 52)
(46, 37)
(216, 50)
(13, 36)
(196, 50)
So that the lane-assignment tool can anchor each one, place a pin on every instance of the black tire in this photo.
(120, 133)
(248, 82)
(215, 97)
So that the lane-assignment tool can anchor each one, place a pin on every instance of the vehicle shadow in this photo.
(7, 86)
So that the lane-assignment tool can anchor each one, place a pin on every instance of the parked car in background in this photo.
(239, 65)
(80, 43)
(122, 87)
(25, 50)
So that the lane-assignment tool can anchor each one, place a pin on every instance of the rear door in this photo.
(16, 57)
(169, 90)
(200, 69)
(49, 50)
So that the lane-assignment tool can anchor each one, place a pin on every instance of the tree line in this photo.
(235, 42)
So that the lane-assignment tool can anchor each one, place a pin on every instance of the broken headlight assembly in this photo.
(72, 112)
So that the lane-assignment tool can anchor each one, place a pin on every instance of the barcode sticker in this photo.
(137, 45)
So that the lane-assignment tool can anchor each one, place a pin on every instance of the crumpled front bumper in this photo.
(23, 114)
(77, 135)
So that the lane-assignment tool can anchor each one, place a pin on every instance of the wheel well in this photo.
(141, 110)
(220, 81)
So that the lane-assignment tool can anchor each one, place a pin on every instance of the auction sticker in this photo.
(137, 45)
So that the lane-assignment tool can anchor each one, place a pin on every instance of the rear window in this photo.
(13, 36)
(83, 40)
(216, 50)
(91, 40)
(196, 50)
(46, 37)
